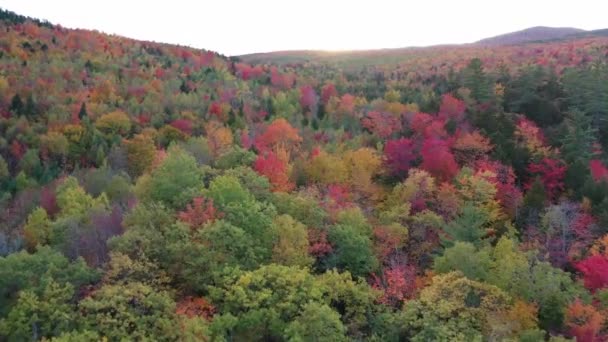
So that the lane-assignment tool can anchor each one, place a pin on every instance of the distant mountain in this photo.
(531, 34)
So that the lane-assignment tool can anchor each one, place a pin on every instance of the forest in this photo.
(154, 192)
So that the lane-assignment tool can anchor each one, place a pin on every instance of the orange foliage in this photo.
(195, 307)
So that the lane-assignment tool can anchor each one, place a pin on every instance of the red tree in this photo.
(327, 92)
(598, 171)
(398, 284)
(183, 125)
(199, 212)
(595, 272)
(398, 156)
(270, 166)
(308, 98)
(451, 108)
(438, 160)
(381, 124)
(551, 172)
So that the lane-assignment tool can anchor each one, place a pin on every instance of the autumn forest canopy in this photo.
(157, 192)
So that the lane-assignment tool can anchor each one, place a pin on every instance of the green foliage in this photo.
(464, 257)
(291, 247)
(40, 316)
(352, 251)
(31, 272)
(302, 208)
(265, 301)
(130, 311)
(317, 322)
(455, 308)
(176, 180)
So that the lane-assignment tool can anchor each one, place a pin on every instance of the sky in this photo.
(234, 27)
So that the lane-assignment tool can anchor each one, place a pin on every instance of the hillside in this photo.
(150, 191)
(538, 33)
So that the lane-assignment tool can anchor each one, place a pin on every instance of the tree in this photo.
(40, 316)
(279, 135)
(140, 154)
(438, 160)
(176, 179)
(199, 212)
(595, 272)
(117, 122)
(464, 257)
(24, 271)
(552, 173)
(475, 79)
(455, 308)
(275, 169)
(37, 230)
(327, 169)
(584, 321)
(317, 322)
(291, 247)
(399, 156)
(262, 303)
(130, 311)
(352, 252)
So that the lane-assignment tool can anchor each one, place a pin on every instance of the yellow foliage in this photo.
(219, 137)
(116, 122)
(327, 169)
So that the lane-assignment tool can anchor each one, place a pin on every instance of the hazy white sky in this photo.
(244, 26)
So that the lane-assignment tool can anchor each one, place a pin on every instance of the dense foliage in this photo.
(157, 192)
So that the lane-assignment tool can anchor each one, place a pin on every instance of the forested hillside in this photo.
(157, 192)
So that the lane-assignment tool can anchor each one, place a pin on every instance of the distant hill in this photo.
(531, 34)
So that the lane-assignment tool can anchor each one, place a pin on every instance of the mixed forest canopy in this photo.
(157, 192)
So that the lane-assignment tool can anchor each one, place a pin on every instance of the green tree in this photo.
(353, 251)
(176, 180)
(477, 81)
(291, 247)
(37, 229)
(40, 316)
(264, 302)
(23, 271)
(317, 322)
(132, 311)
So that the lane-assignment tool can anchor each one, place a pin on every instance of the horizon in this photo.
(460, 23)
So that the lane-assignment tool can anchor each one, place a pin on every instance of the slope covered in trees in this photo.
(157, 192)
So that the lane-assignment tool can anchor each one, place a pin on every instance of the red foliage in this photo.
(438, 160)
(451, 108)
(398, 284)
(327, 92)
(420, 121)
(387, 241)
(183, 125)
(582, 226)
(381, 124)
(552, 173)
(508, 193)
(48, 201)
(199, 212)
(195, 307)
(398, 156)
(585, 322)
(215, 109)
(279, 134)
(17, 150)
(598, 171)
(270, 166)
(347, 103)
(595, 272)
(318, 245)
(308, 98)
(246, 142)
